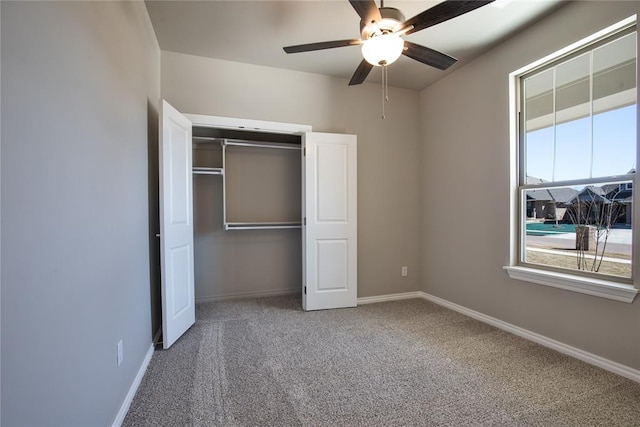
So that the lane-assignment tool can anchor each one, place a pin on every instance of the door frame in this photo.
(247, 125)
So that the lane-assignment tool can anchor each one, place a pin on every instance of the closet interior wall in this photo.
(259, 185)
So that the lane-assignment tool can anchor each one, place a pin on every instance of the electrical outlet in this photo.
(405, 271)
(120, 353)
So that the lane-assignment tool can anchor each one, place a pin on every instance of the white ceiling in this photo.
(254, 32)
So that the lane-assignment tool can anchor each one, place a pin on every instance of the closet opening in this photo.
(247, 206)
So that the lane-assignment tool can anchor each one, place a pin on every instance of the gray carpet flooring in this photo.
(264, 362)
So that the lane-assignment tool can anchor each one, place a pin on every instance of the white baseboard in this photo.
(593, 359)
(124, 408)
(390, 297)
(258, 294)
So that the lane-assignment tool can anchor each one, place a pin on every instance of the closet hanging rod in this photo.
(243, 143)
(261, 225)
(207, 171)
(264, 227)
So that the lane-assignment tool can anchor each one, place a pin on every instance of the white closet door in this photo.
(176, 222)
(330, 210)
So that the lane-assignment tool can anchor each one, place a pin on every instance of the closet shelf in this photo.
(247, 143)
(207, 138)
(260, 225)
(207, 171)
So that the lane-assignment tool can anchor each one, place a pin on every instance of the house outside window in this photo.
(575, 151)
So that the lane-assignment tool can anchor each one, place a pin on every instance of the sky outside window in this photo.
(614, 147)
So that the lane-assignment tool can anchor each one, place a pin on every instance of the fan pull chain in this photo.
(386, 83)
(385, 88)
(383, 82)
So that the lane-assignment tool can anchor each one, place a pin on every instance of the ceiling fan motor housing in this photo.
(391, 21)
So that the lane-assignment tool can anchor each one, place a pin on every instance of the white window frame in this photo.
(605, 287)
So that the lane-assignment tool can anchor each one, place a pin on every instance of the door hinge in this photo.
(304, 222)
(304, 151)
(305, 290)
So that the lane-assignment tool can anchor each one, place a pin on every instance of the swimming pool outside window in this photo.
(582, 228)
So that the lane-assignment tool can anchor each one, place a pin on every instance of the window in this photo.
(576, 163)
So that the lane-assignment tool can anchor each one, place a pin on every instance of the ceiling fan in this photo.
(382, 30)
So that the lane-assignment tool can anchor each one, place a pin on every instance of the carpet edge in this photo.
(247, 295)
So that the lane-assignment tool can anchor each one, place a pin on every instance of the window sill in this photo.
(584, 285)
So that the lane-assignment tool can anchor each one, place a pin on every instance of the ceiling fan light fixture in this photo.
(383, 49)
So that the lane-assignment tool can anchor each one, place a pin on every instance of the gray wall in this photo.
(465, 150)
(80, 85)
(388, 161)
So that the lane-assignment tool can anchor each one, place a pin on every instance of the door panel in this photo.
(179, 270)
(330, 232)
(331, 177)
(332, 256)
(176, 222)
(179, 168)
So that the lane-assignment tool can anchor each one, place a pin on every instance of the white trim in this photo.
(514, 157)
(124, 408)
(601, 362)
(619, 26)
(240, 295)
(570, 282)
(389, 297)
(246, 124)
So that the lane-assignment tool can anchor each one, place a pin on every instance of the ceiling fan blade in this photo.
(361, 73)
(442, 12)
(321, 45)
(367, 10)
(428, 56)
